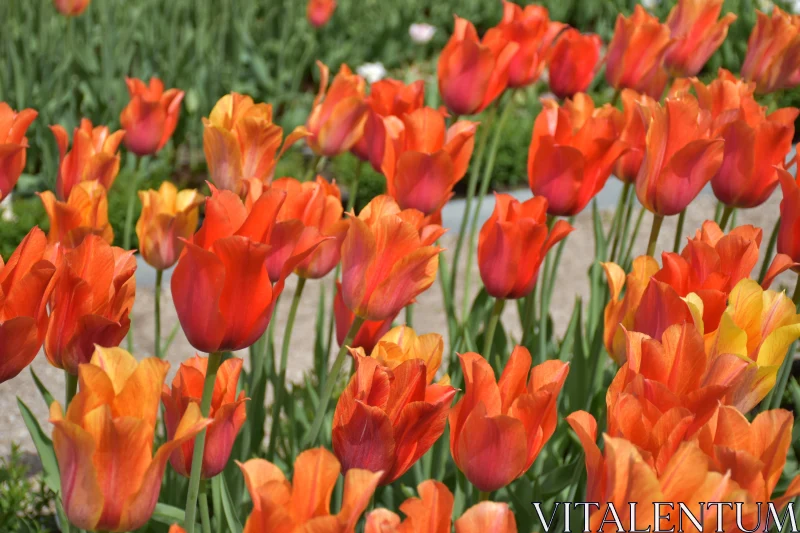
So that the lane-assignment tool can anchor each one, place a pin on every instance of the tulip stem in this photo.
(157, 317)
(280, 384)
(491, 327)
(656, 229)
(330, 383)
(316, 162)
(679, 232)
(410, 315)
(727, 211)
(71, 385)
(351, 200)
(627, 256)
(773, 240)
(483, 496)
(133, 185)
(214, 360)
(619, 219)
(205, 518)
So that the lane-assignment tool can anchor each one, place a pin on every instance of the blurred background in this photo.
(73, 67)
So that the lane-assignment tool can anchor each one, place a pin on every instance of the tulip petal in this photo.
(315, 474)
(487, 516)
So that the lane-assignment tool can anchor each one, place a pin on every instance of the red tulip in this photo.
(71, 8)
(631, 130)
(13, 145)
(573, 62)
(339, 114)
(221, 287)
(473, 74)
(636, 53)
(789, 229)
(368, 334)
(319, 12)
(151, 116)
(227, 414)
(24, 289)
(572, 152)
(773, 52)
(513, 243)
(697, 32)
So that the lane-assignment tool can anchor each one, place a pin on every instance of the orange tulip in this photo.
(368, 334)
(319, 12)
(85, 213)
(789, 228)
(498, 429)
(473, 74)
(424, 159)
(13, 145)
(680, 156)
(241, 142)
(168, 218)
(151, 116)
(773, 52)
(221, 286)
(390, 430)
(228, 413)
(304, 504)
(93, 156)
(313, 209)
(430, 513)
(487, 516)
(571, 154)
(631, 130)
(513, 243)
(533, 32)
(388, 258)
(573, 62)
(388, 100)
(91, 302)
(110, 478)
(175, 528)
(339, 113)
(697, 32)
(71, 8)
(635, 54)
(24, 289)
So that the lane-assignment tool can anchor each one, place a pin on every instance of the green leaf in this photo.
(44, 447)
(48, 398)
(167, 514)
(228, 507)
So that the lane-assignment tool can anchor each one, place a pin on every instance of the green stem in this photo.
(718, 211)
(773, 240)
(483, 496)
(280, 384)
(491, 327)
(205, 518)
(487, 175)
(654, 231)
(727, 211)
(317, 162)
(615, 98)
(351, 201)
(679, 232)
(410, 315)
(133, 185)
(330, 383)
(214, 360)
(619, 219)
(157, 318)
(71, 387)
(796, 294)
(617, 254)
(627, 257)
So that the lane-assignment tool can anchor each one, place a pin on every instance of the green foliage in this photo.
(28, 212)
(25, 501)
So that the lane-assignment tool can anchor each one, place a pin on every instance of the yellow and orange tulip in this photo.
(13, 145)
(84, 213)
(773, 52)
(339, 113)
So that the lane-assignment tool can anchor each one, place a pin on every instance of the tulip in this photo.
(71, 8)
(339, 113)
(388, 100)
(697, 32)
(13, 145)
(316, 208)
(487, 516)
(727, 98)
(680, 156)
(498, 429)
(773, 52)
(571, 154)
(319, 12)
(389, 432)
(573, 62)
(93, 156)
(636, 54)
(368, 334)
(388, 258)
(533, 32)
(430, 513)
(241, 142)
(25, 288)
(473, 74)
(168, 218)
(304, 504)
(789, 221)
(424, 159)
(85, 213)
(110, 479)
(513, 243)
(631, 130)
(94, 288)
(151, 116)
(221, 287)
(227, 413)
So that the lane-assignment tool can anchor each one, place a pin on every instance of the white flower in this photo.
(650, 4)
(372, 72)
(421, 33)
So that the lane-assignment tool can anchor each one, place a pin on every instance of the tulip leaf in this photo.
(44, 447)
(168, 514)
(228, 507)
(48, 398)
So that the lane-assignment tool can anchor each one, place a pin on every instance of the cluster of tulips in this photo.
(700, 350)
